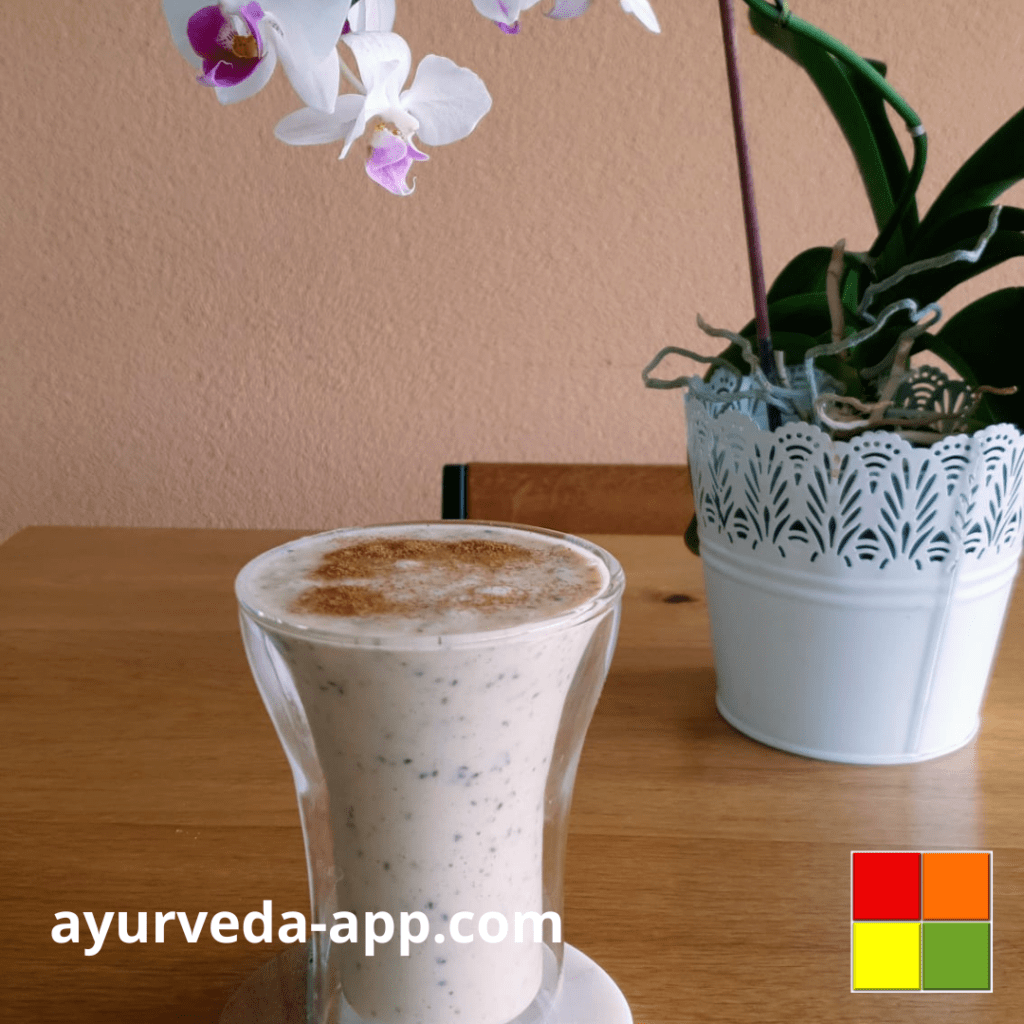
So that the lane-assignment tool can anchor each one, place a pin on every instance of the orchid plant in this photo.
(833, 336)
(237, 46)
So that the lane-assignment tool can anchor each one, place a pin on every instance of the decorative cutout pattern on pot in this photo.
(873, 504)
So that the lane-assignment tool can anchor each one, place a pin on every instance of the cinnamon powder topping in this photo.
(366, 560)
(421, 578)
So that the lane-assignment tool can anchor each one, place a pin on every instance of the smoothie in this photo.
(432, 662)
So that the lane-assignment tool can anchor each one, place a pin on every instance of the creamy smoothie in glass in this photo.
(431, 684)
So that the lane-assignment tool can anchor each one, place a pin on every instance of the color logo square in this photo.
(956, 955)
(887, 886)
(887, 955)
(920, 922)
(955, 886)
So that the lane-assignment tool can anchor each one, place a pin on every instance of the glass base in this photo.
(276, 993)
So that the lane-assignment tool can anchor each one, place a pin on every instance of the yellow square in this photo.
(886, 955)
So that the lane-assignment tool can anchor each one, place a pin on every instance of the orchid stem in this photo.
(352, 79)
(764, 339)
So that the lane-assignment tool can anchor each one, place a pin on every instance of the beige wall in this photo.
(204, 327)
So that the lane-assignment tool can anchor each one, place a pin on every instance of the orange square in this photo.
(955, 886)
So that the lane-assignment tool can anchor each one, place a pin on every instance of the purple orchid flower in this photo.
(237, 44)
(509, 27)
(228, 56)
(504, 13)
(390, 158)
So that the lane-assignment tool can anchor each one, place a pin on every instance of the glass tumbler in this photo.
(434, 773)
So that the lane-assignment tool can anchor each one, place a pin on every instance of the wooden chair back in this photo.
(571, 498)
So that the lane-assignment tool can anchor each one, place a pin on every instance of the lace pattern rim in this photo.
(873, 503)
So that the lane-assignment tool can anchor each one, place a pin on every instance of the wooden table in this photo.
(708, 874)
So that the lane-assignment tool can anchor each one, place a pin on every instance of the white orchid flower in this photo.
(644, 13)
(444, 104)
(640, 8)
(237, 45)
(505, 13)
(372, 16)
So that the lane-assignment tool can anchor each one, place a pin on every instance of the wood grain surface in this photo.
(709, 875)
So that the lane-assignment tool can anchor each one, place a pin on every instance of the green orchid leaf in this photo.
(963, 230)
(808, 272)
(805, 272)
(996, 165)
(984, 416)
(793, 345)
(835, 82)
(987, 338)
(876, 348)
(853, 284)
(800, 314)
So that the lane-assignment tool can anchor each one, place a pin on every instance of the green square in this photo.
(957, 955)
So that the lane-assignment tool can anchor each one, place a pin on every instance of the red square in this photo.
(887, 886)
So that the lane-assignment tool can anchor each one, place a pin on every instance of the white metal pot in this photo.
(856, 589)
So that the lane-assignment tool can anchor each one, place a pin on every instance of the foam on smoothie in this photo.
(437, 578)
